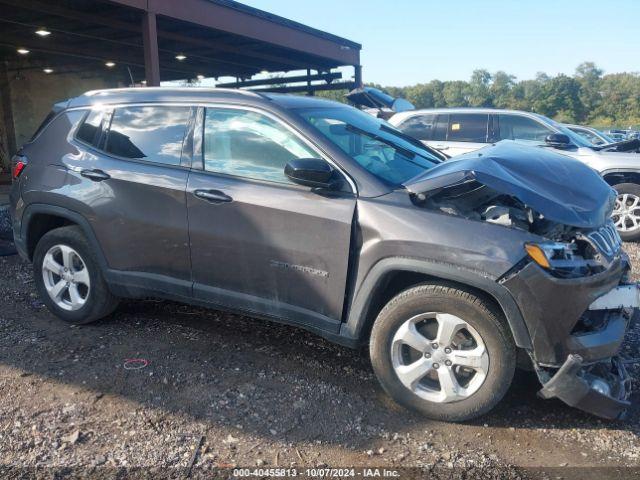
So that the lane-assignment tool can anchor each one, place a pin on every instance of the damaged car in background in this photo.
(316, 214)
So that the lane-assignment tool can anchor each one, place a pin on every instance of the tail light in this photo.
(19, 162)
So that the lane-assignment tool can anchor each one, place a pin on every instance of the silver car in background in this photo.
(456, 131)
(593, 135)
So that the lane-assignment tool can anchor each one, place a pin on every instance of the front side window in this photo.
(151, 133)
(419, 126)
(387, 153)
(515, 127)
(468, 127)
(251, 145)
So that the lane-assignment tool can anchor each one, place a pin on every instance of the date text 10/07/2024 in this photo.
(316, 472)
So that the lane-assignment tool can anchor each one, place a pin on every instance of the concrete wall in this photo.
(4, 147)
(34, 92)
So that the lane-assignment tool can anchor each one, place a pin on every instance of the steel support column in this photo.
(358, 76)
(151, 57)
(7, 113)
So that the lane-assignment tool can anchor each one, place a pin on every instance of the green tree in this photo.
(590, 78)
(478, 90)
(502, 90)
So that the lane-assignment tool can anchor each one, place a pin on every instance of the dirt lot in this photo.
(247, 393)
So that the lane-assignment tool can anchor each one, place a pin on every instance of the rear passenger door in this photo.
(258, 241)
(132, 178)
(464, 132)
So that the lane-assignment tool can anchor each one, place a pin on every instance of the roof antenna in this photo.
(133, 84)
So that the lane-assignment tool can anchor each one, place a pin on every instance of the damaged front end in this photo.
(572, 285)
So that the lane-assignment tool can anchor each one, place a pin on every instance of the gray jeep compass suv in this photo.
(315, 214)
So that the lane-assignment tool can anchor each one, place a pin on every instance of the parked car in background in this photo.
(618, 135)
(594, 136)
(378, 103)
(315, 214)
(461, 130)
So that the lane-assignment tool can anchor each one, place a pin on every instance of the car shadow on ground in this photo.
(228, 370)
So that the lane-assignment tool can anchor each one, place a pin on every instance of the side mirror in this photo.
(310, 172)
(558, 140)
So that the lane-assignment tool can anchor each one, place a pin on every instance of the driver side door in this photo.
(259, 242)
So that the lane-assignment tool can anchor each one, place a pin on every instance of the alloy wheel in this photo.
(626, 213)
(439, 357)
(66, 277)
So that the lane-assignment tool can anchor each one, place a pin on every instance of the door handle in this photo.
(95, 175)
(213, 196)
(442, 147)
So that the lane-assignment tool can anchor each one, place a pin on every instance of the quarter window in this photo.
(154, 134)
(468, 128)
(90, 128)
(248, 144)
(514, 127)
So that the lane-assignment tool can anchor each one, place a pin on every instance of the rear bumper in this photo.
(602, 389)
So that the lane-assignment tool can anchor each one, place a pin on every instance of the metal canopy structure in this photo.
(156, 40)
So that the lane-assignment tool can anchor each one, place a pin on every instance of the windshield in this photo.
(575, 138)
(381, 149)
(594, 136)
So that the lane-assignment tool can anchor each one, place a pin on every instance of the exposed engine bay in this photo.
(572, 251)
(476, 201)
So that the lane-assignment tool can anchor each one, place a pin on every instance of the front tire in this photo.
(626, 214)
(443, 352)
(69, 279)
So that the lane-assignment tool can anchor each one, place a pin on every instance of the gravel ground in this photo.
(242, 392)
(5, 221)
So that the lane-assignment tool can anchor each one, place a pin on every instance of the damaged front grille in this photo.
(605, 240)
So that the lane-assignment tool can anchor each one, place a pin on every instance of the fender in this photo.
(356, 321)
(75, 217)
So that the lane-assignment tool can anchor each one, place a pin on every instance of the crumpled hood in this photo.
(562, 189)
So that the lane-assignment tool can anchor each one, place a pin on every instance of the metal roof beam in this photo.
(56, 10)
(327, 77)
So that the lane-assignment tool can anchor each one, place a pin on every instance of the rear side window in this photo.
(89, 131)
(468, 127)
(151, 133)
(419, 126)
(515, 127)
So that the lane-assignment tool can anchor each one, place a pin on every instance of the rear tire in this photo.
(467, 374)
(626, 215)
(69, 279)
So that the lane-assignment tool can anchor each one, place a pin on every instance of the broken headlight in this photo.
(564, 259)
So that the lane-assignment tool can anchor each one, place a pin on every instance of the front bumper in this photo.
(577, 327)
(558, 316)
(603, 389)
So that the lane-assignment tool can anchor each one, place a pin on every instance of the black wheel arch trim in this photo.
(619, 171)
(38, 208)
(358, 319)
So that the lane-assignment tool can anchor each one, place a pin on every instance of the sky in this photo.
(415, 41)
